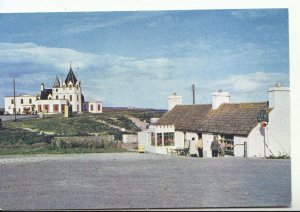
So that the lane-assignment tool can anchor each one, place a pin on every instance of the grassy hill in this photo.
(34, 135)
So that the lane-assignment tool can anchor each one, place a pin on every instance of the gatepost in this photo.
(245, 149)
(68, 111)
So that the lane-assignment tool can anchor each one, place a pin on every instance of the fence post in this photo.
(245, 149)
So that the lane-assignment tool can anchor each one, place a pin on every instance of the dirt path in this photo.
(140, 124)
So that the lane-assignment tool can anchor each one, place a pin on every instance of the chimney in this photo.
(42, 86)
(174, 100)
(279, 96)
(219, 98)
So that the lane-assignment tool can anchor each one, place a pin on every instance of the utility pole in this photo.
(15, 112)
(193, 89)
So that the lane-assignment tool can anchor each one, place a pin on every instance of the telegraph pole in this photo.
(15, 112)
(193, 89)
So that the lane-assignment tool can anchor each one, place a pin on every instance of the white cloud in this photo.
(252, 82)
(127, 81)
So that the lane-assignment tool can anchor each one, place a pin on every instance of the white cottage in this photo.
(236, 123)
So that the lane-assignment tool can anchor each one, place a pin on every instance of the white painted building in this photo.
(53, 100)
(235, 123)
(95, 107)
(25, 104)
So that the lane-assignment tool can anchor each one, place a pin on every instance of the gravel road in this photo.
(133, 180)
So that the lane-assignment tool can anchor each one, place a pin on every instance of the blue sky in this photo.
(139, 58)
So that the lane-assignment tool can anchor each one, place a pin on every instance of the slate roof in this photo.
(71, 77)
(56, 83)
(45, 93)
(231, 119)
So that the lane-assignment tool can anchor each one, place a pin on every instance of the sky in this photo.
(138, 59)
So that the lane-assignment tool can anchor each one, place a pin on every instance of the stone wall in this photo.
(101, 141)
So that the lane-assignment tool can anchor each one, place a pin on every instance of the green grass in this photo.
(55, 150)
(19, 136)
(14, 139)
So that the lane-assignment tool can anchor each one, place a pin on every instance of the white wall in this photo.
(279, 121)
(179, 139)
(255, 143)
(207, 139)
(9, 108)
(144, 137)
(239, 145)
(129, 138)
(50, 104)
(95, 107)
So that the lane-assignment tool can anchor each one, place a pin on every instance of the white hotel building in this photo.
(53, 100)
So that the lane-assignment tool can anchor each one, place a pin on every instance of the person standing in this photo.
(222, 148)
(199, 146)
(215, 146)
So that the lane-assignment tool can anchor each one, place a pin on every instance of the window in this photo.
(70, 87)
(153, 138)
(99, 107)
(229, 144)
(159, 139)
(77, 108)
(92, 107)
(55, 108)
(56, 90)
(22, 101)
(64, 97)
(30, 101)
(39, 108)
(46, 108)
(169, 139)
(12, 101)
(70, 98)
(56, 97)
(77, 98)
(62, 108)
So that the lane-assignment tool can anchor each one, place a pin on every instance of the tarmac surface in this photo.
(137, 180)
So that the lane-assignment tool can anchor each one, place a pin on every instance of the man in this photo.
(199, 146)
(215, 146)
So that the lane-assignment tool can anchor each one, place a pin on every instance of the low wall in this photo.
(129, 138)
(102, 141)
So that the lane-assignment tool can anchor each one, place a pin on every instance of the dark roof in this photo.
(71, 77)
(45, 93)
(56, 83)
(234, 119)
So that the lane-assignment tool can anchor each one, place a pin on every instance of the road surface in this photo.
(133, 180)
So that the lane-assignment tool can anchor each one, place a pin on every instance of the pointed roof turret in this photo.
(56, 83)
(71, 76)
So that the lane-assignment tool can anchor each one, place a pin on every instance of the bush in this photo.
(280, 156)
